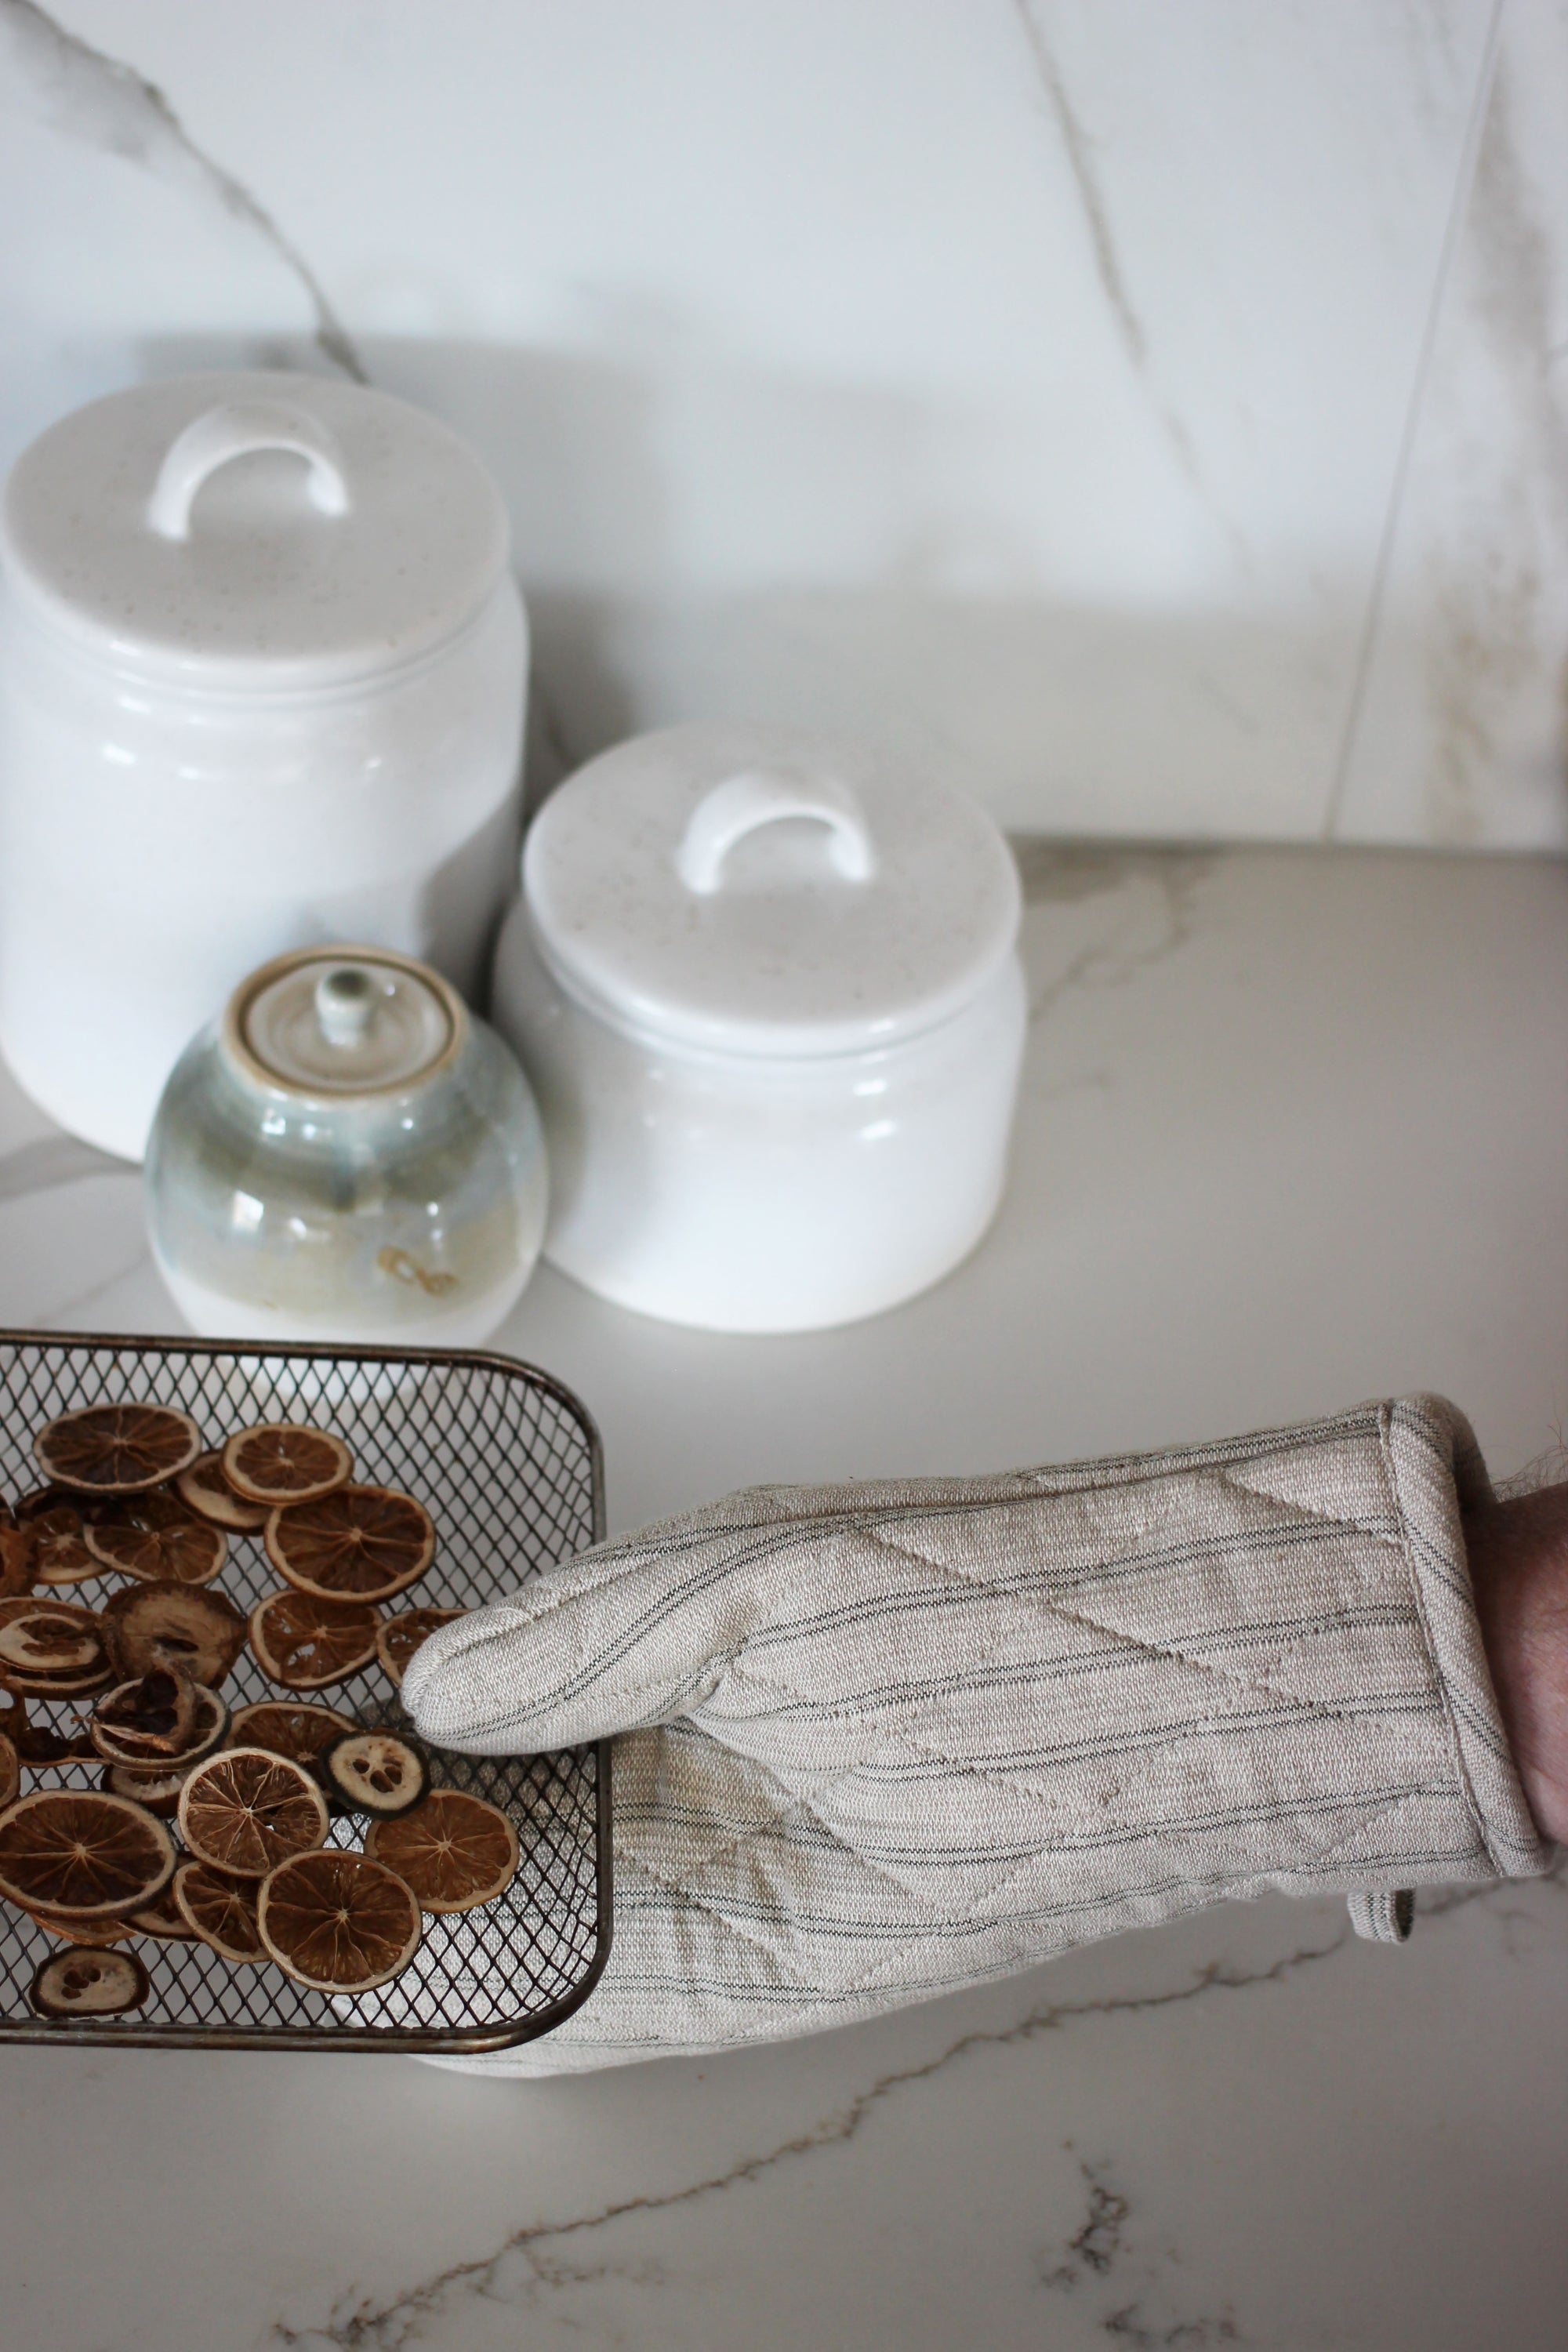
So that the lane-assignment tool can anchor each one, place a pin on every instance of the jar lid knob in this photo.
(345, 1004)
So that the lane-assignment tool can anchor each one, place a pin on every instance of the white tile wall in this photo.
(1029, 382)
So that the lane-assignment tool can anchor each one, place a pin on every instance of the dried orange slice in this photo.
(360, 1543)
(220, 1911)
(165, 1919)
(76, 1854)
(283, 1462)
(89, 1984)
(203, 1488)
(99, 1933)
(308, 1644)
(54, 1521)
(455, 1851)
(401, 1636)
(338, 1922)
(51, 1649)
(155, 1538)
(298, 1732)
(245, 1811)
(10, 1771)
(116, 1449)
(195, 1630)
(376, 1773)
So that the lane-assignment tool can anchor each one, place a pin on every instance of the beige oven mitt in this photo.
(885, 1740)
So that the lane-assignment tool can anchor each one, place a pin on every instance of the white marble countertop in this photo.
(1295, 1132)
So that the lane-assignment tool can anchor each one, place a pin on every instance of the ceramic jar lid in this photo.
(753, 891)
(253, 531)
(342, 1024)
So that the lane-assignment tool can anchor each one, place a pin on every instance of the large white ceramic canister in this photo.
(261, 685)
(768, 995)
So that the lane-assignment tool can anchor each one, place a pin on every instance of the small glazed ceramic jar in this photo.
(768, 995)
(261, 682)
(348, 1154)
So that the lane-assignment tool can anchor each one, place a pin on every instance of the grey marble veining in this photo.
(105, 103)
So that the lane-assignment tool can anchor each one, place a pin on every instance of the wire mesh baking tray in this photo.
(507, 1461)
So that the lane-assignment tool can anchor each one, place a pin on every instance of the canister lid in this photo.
(756, 891)
(253, 530)
(335, 1023)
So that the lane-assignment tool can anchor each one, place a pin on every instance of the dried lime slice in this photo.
(80, 1984)
(376, 1773)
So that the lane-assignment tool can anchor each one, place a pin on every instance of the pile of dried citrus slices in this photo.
(210, 1826)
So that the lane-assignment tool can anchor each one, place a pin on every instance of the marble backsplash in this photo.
(1158, 416)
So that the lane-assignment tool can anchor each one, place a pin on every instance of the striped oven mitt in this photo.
(885, 1740)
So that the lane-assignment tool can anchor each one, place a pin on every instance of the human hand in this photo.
(1519, 1566)
(887, 1740)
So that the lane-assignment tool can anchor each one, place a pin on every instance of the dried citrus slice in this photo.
(308, 1644)
(283, 1462)
(338, 1922)
(54, 1521)
(99, 1933)
(360, 1543)
(221, 1911)
(165, 1919)
(38, 1743)
(455, 1851)
(10, 1770)
(376, 1773)
(157, 1792)
(299, 1732)
(17, 1570)
(203, 1488)
(401, 1636)
(65, 1851)
(51, 1649)
(145, 1720)
(162, 1723)
(89, 1984)
(155, 1538)
(195, 1630)
(245, 1811)
(116, 1449)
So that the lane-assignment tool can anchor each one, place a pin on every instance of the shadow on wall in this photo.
(702, 542)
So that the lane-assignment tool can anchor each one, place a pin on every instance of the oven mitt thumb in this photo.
(884, 1740)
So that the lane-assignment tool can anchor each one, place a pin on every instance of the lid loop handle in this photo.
(742, 804)
(233, 429)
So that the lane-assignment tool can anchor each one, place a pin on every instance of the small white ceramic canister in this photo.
(348, 1154)
(768, 993)
(261, 684)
